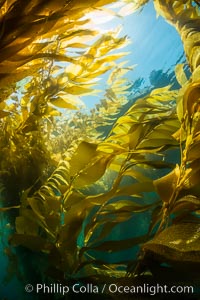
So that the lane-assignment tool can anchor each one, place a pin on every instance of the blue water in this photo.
(155, 47)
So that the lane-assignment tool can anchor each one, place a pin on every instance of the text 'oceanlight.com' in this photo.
(113, 288)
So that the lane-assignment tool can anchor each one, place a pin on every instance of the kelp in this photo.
(88, 164)
(46, 87)
(184, 15)
(44, 34)
(73, 186)
(176, 244)
(183, 181)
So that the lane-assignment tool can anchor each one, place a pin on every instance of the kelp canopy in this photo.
(67, 186)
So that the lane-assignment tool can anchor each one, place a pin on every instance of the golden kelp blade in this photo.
(166, 185)
(27, 45)
(180, 74)
(178, 245)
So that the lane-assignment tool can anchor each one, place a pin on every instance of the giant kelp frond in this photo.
(35, 35)
(83, 187)
(149, 124)
(62, 204)
(176, 244)
(63, 89)
(184, 15)
(179, 189)
(115, 97)
(35, 85)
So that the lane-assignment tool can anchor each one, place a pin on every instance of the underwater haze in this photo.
(100, 143)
